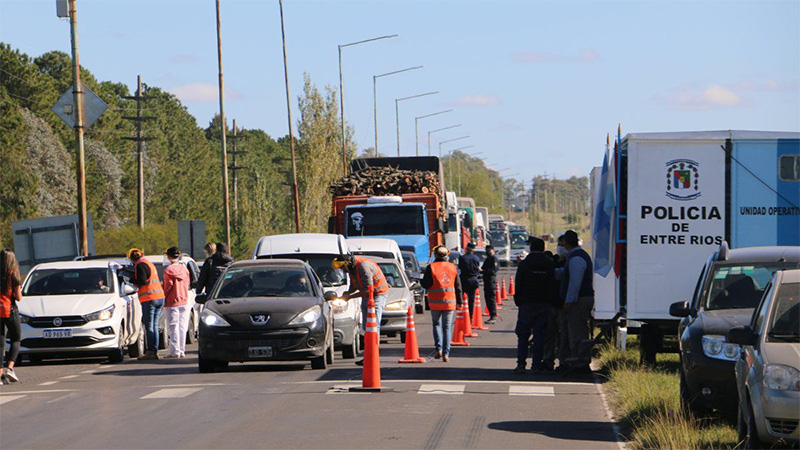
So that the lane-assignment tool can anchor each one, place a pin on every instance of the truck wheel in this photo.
(137, 349)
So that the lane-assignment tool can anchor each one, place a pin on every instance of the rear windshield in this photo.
(392, 274)
(518, 239)
(740, 286)
(321, 264)
(785, 324)
(97, 280)
(385, 221)
(264, 282)
(410, 262)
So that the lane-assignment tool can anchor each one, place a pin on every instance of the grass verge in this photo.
(646, 402)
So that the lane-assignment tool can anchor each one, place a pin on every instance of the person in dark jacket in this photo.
(556, 339)
(213, 268)
(469, 266)
(577, 293)
(535, 285)
(490, 268)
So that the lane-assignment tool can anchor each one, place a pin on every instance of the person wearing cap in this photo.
(556, 340)
(444, 293)
(490, 268)
(470, 267)
(176, 302)
(213, 267)
(364, 274)
(577, 292)
(151, 296)
(535, 283)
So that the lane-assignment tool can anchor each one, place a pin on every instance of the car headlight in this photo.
(100, 315)
(400, 305)
(714, 346)
(785, 378)
(310, 315)
(213, 319)
(24, 319)
(339, 305)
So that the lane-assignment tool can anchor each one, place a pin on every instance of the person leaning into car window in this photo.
(10, 327)
(151, 296)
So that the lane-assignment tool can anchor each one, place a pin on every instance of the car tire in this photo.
(137, 349)
(402, 337)
(427, 306)
(741, 423)
(163, 339)
(117, 355)
(752, 440)
(190, 333)
(207, 365)
(33, 359)
(319, 363)
(690, 404)
(330, 354)
(350, 351)
(419, 308)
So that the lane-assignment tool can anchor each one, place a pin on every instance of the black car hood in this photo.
(719, 321)
(281, 310)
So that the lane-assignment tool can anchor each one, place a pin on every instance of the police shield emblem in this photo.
(683, 176)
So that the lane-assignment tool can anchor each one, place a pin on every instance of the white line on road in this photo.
(535, 391)
(67, 377)
(171, 393)
(89, 371)
(9, 398)
(44, 391)
(63, 397)
(519, 382)
(48, 383)
(447, 389)
(192, 385)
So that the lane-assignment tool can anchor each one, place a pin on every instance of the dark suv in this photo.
(728, 289)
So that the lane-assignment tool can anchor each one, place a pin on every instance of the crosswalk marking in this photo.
(9, 398)
(48, 383)
(171, 393)
(535, 391)
(447, 389)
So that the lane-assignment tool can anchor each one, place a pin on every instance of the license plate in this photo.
(259, 352)
(58, 334)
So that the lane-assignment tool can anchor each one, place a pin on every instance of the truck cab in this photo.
(501, 241)
(519, 237)
(452, 239)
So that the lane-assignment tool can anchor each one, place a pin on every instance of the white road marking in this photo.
(107, 367)
(9, 398)
(447, 389)
(64, 397)
(67, 377)
(172, 393)
(344, 389)
(44, 391)
(610, 415)
(48, 383)
(519, 382)
(89, 371)
(535, 391)
(192, 385)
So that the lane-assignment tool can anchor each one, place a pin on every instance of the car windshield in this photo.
(499, 238)
(392, 274)
(410, 262)
(385, 221)
(740, 285)
(518, 239)
(785, 324)
(321, 264)
(264, 282)
(96, 280)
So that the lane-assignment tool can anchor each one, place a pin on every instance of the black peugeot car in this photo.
(728, 289)
(266, 310)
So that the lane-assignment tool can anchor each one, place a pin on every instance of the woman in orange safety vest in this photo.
(151, 296)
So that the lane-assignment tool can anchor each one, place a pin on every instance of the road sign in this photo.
(93, 107)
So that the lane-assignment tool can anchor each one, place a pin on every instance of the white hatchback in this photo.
(79, 308)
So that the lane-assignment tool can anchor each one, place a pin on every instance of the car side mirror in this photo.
(680, 309)
(415, 286)
(128, 289)
(742, 335)
(330, 296)
(410, 274)
(201, 298)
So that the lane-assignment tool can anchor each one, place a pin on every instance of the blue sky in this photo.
(537, 85)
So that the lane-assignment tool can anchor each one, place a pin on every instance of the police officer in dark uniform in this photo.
(470, 267)
(578, 295)
(490, 268)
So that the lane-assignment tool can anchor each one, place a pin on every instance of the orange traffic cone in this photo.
(371, 375)
(503, 292)
(498, 301)
(412, 349)
(477, 323)
(511, 289)
(460, 326)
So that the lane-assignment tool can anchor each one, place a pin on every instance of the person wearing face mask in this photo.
(176, 303)
(577, 293)
(490, 268)
(556, 342)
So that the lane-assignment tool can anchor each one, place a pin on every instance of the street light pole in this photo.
(450, 140)
(416, 127)
(341, 93)
(375, 98)
(436, 131)
(397, 113)
(77, 93)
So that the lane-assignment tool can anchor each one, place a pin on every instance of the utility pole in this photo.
(295, 192)
(79, 155)
(235, 168)
(139, 139)
(223, 126)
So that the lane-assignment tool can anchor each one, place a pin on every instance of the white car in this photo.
(376, 247)
(318, 250)
(79, 308)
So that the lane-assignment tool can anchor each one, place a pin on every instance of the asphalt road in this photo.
(472, 402)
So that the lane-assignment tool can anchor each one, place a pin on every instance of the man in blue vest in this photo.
(578, 296)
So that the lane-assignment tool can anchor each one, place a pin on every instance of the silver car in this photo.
(395, 312)
(768, 371)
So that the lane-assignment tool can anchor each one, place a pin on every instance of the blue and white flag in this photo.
(603, 236)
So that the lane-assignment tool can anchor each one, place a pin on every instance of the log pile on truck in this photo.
(382, 181)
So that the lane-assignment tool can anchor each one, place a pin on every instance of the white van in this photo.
(378, 247)
(318, 250)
